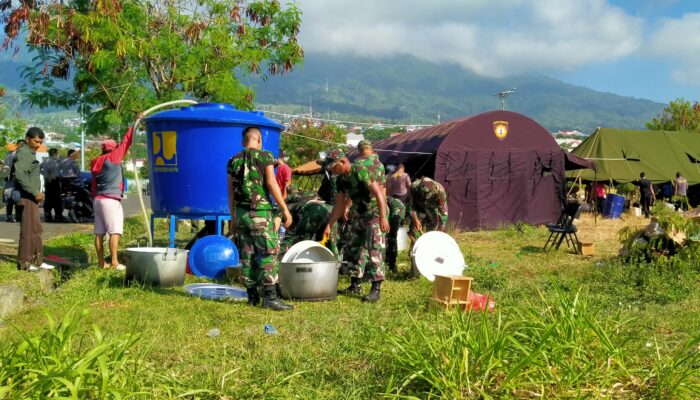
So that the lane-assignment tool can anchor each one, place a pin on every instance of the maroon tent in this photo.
(498, 168)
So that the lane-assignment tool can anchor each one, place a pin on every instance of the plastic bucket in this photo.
(402, 239)
(614, 204)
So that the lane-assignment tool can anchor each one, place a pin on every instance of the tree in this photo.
(375, 134)
(679, 115)
(302, 140)
(11, 127)
(127, 55)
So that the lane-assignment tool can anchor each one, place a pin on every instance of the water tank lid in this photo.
(215, 112)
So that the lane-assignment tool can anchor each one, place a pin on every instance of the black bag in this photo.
(10, 193)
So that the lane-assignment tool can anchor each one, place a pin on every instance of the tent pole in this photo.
(595, 205)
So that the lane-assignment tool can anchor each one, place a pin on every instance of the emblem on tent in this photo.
(500, 129)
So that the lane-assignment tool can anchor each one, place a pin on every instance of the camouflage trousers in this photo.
(365, 252)
(391, 240)
(258, 245)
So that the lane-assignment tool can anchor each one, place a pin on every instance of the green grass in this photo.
(557, 317)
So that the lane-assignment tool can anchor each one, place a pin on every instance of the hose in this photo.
(136, 171)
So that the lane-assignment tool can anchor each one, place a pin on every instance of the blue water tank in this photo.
(188, 149)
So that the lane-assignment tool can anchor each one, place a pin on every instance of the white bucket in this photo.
(402, 239)
(637, 211)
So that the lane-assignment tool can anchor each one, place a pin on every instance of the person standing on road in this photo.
(251, 182)
(108, 190)
(646, 193)
(356, 181)
(69, 169)
(30, 256)
(52, 187)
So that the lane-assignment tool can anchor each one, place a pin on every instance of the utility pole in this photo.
(82, 134)
(438, 117)
(502, 95)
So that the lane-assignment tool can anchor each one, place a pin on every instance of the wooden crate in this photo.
(451, 291)
(587, 248)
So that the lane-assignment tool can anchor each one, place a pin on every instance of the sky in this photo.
(641, 48)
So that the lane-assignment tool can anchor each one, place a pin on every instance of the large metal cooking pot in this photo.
(156, 265)
(309, 281)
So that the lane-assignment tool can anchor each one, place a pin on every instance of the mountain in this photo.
(410, 91)
(401, 89)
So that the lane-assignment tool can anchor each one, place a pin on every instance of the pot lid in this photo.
(210, 256)
(437, 253)
(308, 251)
(215, 112)
(216, 292)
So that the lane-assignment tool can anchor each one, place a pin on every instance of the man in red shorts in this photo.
(107, 189)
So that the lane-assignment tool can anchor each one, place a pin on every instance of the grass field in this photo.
(565, 326)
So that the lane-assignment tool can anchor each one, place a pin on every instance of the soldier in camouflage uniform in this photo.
(310, 214)
(357, 183)
(397, 212)
(427, 207)
(251, 181)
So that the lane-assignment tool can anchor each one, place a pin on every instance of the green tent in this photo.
(622, 154)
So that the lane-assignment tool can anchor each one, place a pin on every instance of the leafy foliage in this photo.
(375, 134)
(64, 362)
(678, 115)
(561, 348)
(303, 140)
(11, 127)
(126, 55)
(655, 268)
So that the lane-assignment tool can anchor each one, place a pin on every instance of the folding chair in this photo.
(565, 229)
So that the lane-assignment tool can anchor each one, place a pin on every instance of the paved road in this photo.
(11, 230)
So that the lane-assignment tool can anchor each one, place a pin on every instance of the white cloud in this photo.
(490, 37)
(678, 40)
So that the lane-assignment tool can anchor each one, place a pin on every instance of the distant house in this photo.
(354, 138)
(129, 166)
(53, 136)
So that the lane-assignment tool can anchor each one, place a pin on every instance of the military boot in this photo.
(373, 295)
(271, 301)
(354, 288)
(253, 296)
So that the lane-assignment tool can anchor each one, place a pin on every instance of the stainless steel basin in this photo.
(309, 281)
(156, 265)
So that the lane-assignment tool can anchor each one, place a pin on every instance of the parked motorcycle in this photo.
(77, 199)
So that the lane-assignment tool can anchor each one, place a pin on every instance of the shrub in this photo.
(560, 348)
(556, 348)
(64, 362)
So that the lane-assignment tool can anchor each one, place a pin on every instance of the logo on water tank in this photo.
(500, 129)
(165, 151)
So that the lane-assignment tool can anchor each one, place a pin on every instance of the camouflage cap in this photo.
(333, 157)
(364, 143)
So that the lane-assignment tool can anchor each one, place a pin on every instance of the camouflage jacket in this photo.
(375, 166)
(247, 173)
(428, 196)
(397, 210)
(356, 186)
